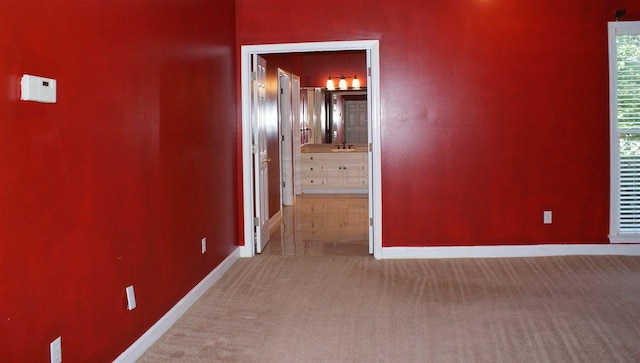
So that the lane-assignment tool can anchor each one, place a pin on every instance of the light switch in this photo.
(547, 217)
(38, 89)
(55, 350)
(131, 298)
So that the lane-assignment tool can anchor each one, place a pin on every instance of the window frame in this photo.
(615, 234)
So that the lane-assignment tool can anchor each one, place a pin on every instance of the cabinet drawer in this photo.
(312, 170)
(311, 158)
(313, 182)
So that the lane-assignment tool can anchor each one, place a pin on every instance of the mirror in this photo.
(333, 117)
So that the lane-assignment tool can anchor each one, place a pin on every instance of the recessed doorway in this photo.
(249, 134)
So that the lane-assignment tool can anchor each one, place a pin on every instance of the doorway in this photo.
(248, 54)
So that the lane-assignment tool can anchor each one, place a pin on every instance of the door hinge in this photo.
(284, 184)
(281, 91)
(370, 147)
(369, 71)
(282, 137)
(254, 149)
(256, 222)
(254, 75)
(371, 222)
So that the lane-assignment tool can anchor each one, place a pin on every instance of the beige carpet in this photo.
(355, 309)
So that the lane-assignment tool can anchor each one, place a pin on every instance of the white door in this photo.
(295, 115)
(356, 121)
(260, 157)
(286, 142)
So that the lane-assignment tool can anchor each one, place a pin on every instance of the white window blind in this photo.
(624, 70)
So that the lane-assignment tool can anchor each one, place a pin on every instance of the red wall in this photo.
(116, 183)
(318, 66)
(492, 112)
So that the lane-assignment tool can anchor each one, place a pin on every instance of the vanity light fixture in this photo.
(330, 85)
(342, 84)
(355, 84)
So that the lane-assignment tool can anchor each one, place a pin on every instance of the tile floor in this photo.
(322, 225)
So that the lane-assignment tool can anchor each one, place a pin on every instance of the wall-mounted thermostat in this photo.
(38, 89)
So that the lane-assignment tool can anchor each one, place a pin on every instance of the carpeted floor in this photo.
(356, 309)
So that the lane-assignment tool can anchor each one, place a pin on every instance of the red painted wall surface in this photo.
(492, 112)
(116, 183)
(315, 67)
(318, 66)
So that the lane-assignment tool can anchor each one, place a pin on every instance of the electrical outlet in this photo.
(547, 217)
(204, 245)
(131, 298)
(55, 348)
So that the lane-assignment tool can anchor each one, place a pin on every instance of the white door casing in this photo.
(373, 160)
(371, 47)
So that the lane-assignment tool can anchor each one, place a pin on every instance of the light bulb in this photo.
(330, 85)
(356, 83)
(343, 83)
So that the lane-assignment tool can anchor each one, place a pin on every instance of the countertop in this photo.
(333, 148)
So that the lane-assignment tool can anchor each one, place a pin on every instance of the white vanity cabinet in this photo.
(334, 172)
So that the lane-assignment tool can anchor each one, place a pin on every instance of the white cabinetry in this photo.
(328, 172)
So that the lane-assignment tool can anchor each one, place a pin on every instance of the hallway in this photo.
(322, 225)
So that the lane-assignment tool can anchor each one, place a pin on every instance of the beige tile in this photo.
(322, 225)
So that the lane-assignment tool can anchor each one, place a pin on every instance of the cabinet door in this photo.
(333, 170)
(353, 174)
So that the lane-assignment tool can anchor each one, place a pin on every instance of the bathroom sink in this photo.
(342, 150)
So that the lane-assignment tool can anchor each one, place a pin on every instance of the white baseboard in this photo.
(246, 251)
(509, 251)
(143, 343)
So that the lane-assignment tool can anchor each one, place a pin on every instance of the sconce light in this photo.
(330, 85)
(355, 84)
(342, 84)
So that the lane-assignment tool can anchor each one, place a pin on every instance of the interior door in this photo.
(356, 122)
(296, 119)
(286, 142)
(260, 156)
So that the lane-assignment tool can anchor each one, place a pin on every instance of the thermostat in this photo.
(38, 89)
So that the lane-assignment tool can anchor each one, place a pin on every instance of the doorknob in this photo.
(266, 160)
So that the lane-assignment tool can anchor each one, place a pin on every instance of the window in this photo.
(624, 79)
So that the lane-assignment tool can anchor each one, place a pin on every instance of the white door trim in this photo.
(373, 86)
